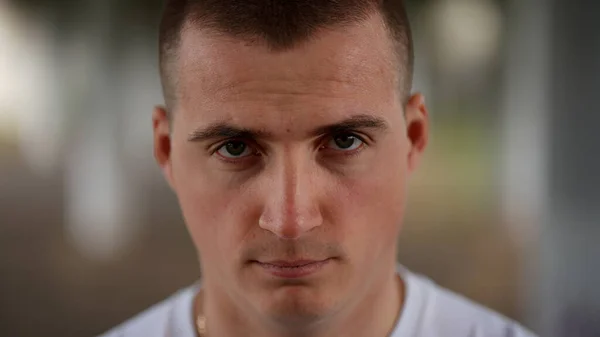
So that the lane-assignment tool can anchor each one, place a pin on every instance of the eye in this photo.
(235, 149)
(344, 142)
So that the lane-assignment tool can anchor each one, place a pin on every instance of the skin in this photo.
(294, 193)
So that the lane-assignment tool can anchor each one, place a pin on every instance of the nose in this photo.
(291, 206)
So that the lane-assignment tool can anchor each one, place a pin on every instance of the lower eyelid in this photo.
(238, 160)
(334, 152)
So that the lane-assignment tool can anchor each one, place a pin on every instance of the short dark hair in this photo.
(280, 24)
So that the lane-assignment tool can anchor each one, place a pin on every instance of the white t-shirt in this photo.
(429, 311)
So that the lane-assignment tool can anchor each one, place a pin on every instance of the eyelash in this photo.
(347, 153)
(234, 160)
(258, 153)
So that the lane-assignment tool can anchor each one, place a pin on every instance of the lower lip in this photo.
(294, 272)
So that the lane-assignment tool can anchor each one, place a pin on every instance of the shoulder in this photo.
(440, 312)
(171, 317)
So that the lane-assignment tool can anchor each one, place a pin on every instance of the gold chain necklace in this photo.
(201, 325)
(200, 318)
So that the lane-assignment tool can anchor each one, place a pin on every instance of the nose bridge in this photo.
(292, 206)
(292, 175)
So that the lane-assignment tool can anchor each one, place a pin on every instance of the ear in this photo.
(162, 142)
(417, 129)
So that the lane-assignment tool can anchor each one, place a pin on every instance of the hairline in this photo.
(169, 55)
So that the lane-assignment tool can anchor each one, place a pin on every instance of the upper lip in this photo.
(291, 263)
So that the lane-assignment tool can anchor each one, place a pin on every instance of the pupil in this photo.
(236, 148)
(344, 141)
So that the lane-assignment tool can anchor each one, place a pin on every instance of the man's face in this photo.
(291, 167)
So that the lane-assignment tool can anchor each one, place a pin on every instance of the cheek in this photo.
(211, 208)
(373, 207)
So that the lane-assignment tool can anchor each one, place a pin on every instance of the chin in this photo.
(299, 306)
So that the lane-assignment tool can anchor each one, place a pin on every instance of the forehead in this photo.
(350, 62)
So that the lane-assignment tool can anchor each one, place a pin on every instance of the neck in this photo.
(374, 314)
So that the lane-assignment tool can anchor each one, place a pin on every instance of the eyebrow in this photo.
(226, 130)
(352, 123)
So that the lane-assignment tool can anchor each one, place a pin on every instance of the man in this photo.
(289, 134)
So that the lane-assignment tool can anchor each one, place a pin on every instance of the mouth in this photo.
(293, 269)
